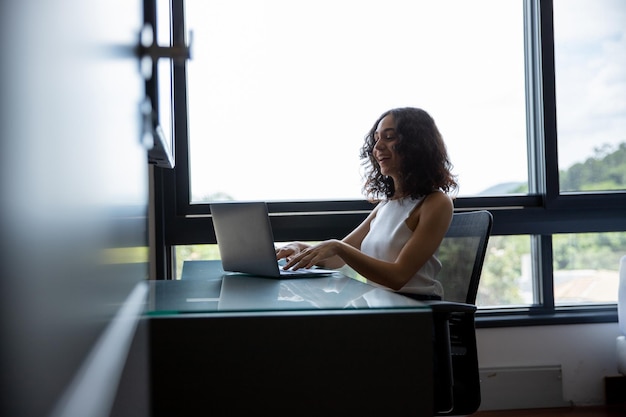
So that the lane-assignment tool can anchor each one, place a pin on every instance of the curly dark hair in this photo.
(425, 166)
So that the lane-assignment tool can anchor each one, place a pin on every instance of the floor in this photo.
(607, 411)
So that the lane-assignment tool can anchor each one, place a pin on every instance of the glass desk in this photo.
(243, 293)
(230, 344)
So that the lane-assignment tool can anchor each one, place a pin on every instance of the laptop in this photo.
(246, 242)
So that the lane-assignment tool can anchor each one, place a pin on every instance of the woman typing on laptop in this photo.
(407, 171)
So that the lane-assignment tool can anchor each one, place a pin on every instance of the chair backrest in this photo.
(462, 253)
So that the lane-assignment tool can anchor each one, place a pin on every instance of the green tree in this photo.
(605, 170)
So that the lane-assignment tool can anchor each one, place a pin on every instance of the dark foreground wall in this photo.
(73, 198)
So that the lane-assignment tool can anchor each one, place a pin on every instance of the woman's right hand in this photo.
(290, 250)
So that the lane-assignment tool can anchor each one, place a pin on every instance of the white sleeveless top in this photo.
(387, 236)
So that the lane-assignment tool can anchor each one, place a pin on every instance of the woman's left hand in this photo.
(314, 255)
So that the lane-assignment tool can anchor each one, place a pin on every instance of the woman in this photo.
(408, 172)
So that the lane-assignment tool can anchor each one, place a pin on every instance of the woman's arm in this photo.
(354, 239)
(429, 224)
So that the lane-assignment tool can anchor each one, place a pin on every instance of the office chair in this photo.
(462, 253)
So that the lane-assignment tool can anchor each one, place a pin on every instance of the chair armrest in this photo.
(450, 307)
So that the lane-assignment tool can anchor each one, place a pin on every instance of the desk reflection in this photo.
(332, 292)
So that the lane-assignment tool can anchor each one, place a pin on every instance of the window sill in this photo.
(491, 318)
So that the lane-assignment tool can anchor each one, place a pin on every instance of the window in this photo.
(502, 89)
(590, 70)
(586, 267)
(507, 278)
(282, 93)
(158, 73)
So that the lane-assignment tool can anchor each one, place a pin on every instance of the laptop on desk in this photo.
(246, 242)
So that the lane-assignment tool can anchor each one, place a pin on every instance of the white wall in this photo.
(586, 353)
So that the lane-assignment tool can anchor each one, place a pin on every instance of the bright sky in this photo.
(281, 113)
(591, 61)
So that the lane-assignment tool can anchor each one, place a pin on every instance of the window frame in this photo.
(541, 213)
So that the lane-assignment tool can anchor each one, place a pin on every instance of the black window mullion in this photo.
(548, 92)
(181, 122)
(534, 99)
(544, 282)
(542, 150)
